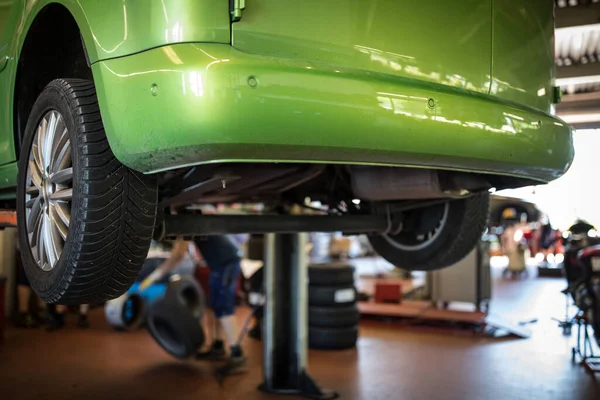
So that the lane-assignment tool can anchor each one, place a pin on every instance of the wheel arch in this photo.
(52, 35)
(110, 29)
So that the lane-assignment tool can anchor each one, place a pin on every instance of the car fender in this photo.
(116, 28)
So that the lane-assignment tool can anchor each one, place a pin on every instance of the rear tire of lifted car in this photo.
(85, 226)
(436, 237)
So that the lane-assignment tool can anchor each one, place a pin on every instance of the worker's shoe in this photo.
(215, 353)
(83, 322)
(55, 321)
(236, 357)
(256, 332)
(26, 320)
(234, 365)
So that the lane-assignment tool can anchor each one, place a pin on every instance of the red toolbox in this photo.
(387, 292)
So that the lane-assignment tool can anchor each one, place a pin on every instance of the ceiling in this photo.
(577, 39)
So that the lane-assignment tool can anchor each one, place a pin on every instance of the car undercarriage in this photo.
(334, 186)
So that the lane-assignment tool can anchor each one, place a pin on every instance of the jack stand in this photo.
(584, 348)
(286, 320)
(568, 322)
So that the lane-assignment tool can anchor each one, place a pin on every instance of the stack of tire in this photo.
(332, 313)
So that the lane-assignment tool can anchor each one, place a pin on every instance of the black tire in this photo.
(138, 309)
(175, 329)
(331, 296)
(330, 274)
(465, 221)
(333, 317)
(185, 292)
(113, 208)
(332, 338)
(127, 313)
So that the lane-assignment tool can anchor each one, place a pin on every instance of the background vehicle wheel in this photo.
(436, 237)
(332, 338)
(85, 221)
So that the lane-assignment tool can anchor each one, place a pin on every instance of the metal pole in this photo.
(300, 297)
(285, 328)
(269, 315)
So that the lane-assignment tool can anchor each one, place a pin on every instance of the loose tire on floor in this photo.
(97, 215)
(183, 291)
(331, 274)
(333, 317)
(126, 313)
(175, 329)
(331, 296)
(451, 231)
(332, 338)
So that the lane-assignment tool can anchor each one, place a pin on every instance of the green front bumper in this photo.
(200, 103)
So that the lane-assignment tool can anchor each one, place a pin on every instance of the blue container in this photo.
(152, 292)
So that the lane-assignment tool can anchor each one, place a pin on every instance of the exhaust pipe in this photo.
(391, 183)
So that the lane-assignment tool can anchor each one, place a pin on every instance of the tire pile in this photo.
(332, 313)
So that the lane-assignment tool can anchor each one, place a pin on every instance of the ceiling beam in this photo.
(578, 74)
(566, 17)
(579, 103)
(589, 125)
(582, 110)
(578, 98)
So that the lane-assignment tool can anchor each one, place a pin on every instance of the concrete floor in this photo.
(391, 361)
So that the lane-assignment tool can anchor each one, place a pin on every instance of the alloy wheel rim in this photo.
(49, 190)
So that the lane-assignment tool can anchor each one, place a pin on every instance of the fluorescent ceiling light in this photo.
(572, 30)
(578, 80)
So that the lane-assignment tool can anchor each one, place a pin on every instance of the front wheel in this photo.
(85, 221)
(436, 237)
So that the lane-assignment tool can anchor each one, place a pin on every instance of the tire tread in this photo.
(113, 225)
(469, 218)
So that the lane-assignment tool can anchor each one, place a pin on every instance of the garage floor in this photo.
(391, 361)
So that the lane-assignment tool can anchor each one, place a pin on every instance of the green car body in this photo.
(392, 118)
(447, 85)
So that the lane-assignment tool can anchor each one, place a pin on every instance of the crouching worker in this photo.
(223, 259)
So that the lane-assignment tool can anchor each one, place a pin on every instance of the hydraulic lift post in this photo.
(285, 322)
(285, 329)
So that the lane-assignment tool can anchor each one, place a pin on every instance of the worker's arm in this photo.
(196, 255)
(180, 249)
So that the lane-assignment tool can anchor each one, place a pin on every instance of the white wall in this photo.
(577, 193)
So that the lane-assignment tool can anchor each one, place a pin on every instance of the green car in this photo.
(393, 118)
